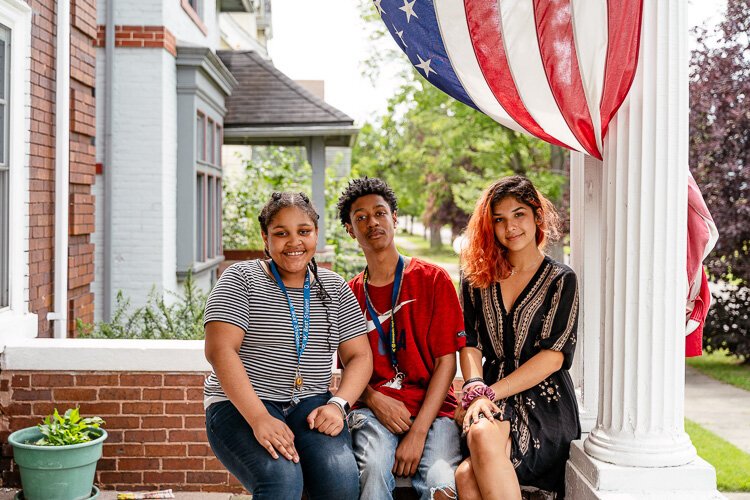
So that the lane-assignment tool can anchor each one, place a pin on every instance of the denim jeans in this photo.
(327, 468)
(375, 450)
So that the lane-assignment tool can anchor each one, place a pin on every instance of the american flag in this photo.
(555, 69)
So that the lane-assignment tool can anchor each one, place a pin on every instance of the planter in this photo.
(56, 472)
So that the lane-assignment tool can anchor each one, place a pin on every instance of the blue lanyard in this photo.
(300, 338)
(394, 299)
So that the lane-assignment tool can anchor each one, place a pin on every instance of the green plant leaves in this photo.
(66, 429)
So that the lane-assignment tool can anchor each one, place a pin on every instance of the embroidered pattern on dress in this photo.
(493, 319)
(549, 390)
(569, 327)
(530, 305)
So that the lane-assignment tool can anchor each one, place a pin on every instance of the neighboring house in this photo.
(132, 146)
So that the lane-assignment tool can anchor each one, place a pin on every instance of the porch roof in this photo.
(268, 107)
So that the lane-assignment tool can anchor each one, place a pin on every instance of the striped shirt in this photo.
(248, 297)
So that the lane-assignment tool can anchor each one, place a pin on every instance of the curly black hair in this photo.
(358, 188)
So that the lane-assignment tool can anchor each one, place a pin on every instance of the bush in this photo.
(728, 323)
(181, 318)
(69, 428)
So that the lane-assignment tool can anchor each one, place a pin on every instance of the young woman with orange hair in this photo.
(520, 313)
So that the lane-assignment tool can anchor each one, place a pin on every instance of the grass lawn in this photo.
(732, 464)
(419, 247)
(719, 366)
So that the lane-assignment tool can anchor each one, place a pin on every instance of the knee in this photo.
(464, 475)
(486, 436)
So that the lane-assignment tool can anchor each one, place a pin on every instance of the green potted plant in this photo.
(57, 458)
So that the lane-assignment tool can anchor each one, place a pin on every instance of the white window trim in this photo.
(16, 321)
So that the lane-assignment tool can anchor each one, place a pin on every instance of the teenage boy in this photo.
(402, 424)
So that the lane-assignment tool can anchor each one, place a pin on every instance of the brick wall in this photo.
(155, 422)
(148, 37)
(42, 162)
(82, 162)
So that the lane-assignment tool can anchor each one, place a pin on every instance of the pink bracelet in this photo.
(475, 392)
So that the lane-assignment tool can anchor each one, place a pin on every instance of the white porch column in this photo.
(639, 448)
(586, 250)
(316, 155)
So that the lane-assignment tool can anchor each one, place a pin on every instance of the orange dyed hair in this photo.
(484, 260)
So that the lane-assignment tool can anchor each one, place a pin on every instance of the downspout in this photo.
(62, 169)
(109, 64)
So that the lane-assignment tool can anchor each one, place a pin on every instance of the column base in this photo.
(587, 478)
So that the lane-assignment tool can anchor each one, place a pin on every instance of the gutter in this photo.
(106, 226)
(62, 169)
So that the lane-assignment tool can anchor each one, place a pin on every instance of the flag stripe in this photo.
(525, 61)
(454, 30)
(589, 19)
(624, 26)
(560, 61)
(483, 19)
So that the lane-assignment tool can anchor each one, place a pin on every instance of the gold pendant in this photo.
(298, 381)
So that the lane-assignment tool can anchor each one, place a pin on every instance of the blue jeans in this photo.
(375, 450)
(326, 469)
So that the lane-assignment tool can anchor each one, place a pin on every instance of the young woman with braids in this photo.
(520, 312)
(272, 327)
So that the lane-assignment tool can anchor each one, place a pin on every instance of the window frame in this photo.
(208, 233)
(15, 319)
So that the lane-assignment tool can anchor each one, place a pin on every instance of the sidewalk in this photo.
(721, 408)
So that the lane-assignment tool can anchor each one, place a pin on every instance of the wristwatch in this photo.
(343, 405)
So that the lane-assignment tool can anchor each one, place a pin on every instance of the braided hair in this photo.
(280, 201)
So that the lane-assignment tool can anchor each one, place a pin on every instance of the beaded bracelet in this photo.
(471, 381)
(476, 392)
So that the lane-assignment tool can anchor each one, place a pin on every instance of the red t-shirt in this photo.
(429, 325)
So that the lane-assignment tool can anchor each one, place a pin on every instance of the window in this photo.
(200, 222)
(218, 240)
(219, 142)
(210, 142)
(4, 168)
(200, 137)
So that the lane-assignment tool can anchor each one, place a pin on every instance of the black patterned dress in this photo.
(544, 419)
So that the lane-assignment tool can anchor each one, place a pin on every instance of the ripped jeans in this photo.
(375, 451)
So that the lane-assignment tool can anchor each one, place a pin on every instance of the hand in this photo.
(390, 412)
(480, 406)
(458, 415)
(274, 435)
(409, 454)
(327, 419)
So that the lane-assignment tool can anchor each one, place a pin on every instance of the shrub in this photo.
(180, 318)
(728, 323)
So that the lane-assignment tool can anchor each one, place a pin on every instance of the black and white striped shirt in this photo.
(248, 297)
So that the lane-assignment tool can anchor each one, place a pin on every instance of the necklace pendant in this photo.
(298, 381)
(295, 400)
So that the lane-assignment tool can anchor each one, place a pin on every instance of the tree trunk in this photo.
(435, 241)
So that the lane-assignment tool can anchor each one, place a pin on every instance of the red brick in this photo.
(44, 408)
(15, 423)
(119, 422)
(164, 394)
(124, 478)
(100, 409)
(206, 477)
(143, 408)
(74, 395)
(137, 463)
(182, 464)
(32, 395)
(124, 450)
(96, 379)
(106, 463)
(191, 436)
(163, 477)
(21, 381)
(146, 436)
(213, 463)
(200, 450)
(141, 380)
(194, 394)
(193, 408)
(18, 409)
(197, 422)
(51, 380)
(119, 393)
(161, 422)
(165, 450)
(184, 380)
